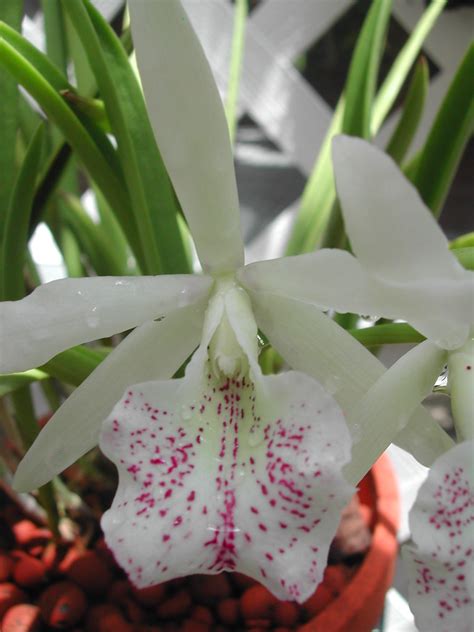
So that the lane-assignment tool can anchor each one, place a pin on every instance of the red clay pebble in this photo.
(202, 614)
(318, 601)
(51, 556)
(132, 611)
(176, 606)
(242, 581)
(258, 628)
(28, 571)
(190, 625)
(119, 590)
(107, 618)
(105, 553)
(62, 604)
(22, 530)
(257, 603)
(208, 589)
(88, 570)
(22, 618)
(6, 566)
(151, 596)
(229, 611)
(280, 629)
(10, 595)
(95, 614)
(286, 613)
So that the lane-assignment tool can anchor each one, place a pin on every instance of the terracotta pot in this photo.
(360, 604)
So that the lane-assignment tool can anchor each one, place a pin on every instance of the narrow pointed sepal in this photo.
(440, 563)
(235, 480)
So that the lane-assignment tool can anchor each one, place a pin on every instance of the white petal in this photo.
(230, 481)
(461, 383)
(154, 350)
(441, 586)
(63, 313)
(327, 278)
(190, 127)
(335, 279)
(313, 343)
(391, 402)
(391, 230)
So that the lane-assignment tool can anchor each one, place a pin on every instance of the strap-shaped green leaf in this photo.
(465, 256)
(154, 203)
(75, 364)
(363, 71)
(15, 234)
(83, 141)
(14, 381)
(237, 54)
(395, 78)
(9, 115)
(447, 139)
(412, 111)
(386, 334)
(98, 248)
(319, 195)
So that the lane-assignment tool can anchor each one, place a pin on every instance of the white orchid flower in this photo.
(224, 468)
(440, 563)
(404, 269)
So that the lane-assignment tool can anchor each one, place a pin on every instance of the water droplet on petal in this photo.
(182, 298)
(93, 319)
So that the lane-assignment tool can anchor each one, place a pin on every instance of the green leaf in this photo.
(463, 241)
(359, 100)
(398, 73)
(411, 114)
(56, 164)
(154, 203)
(11, 12)
(112, 231)
(54, 27)
(69, 247)
(447, 139)
(99, 249)
(74, 365)
(389, 334)
(363, 71)
(13, 381)
(465, 256)
(237, 54)
(51, 73)
(319, 194)
(15, 235)
(89, 146)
